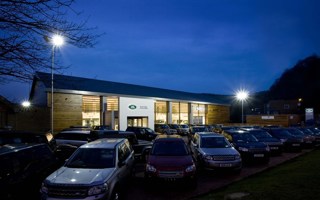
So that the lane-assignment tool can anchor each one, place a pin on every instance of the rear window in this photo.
(73, 136)
(169, 148)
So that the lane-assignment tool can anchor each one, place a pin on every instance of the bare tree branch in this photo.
(23, 26)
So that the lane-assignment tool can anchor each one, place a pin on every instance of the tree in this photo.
(301, 81)
(23, 26)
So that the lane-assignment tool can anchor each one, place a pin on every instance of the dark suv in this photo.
(170, 160)
(249, 147)
(23, 167)
(143, 133)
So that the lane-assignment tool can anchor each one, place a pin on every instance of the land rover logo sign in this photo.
(132, 107)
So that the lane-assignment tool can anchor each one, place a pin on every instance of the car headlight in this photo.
(150, 168)
(44, 188)
(283, 140)
(207, 157)
(98, 189)
(191, 168)
(243, 149)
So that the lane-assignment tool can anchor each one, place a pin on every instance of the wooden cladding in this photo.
(218, 114)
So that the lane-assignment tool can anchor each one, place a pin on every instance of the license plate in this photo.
(274, 147)
(296, 145)
(258, 155)
(225, 165)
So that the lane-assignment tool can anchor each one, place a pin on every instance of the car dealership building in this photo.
(91, 102)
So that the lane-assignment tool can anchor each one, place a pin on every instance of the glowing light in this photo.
(57, 40)
(26, 104)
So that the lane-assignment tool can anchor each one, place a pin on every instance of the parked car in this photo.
(23, 166)
(275, 144)
(214, 151)
(308, 140)
(185, 127)
(315, 131)
(290, 142)
(143, 133)
(180, 131)
(171, 160)
(165, 129)
(250, 148)
(141, 147)
(194, 129)
(96, 170)
(18, 137)
(69, 139)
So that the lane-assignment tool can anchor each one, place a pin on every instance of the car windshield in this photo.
(149, 130)
(73, 136)
(92, 158)
(261, 134)
(244, 137)
(214, 142)
(199, 129)
(296, 132)
(184, 126)
(282, 133)
(169, 148)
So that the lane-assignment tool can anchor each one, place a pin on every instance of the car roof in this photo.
(236, 131)
(168, 137)
(107, 143)
(7, 148)
(209, 134)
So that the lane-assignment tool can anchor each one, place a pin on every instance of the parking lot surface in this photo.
(207, 181)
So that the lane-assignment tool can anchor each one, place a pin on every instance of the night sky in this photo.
(202, 46)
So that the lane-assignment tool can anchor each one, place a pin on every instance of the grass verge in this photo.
(298, 179)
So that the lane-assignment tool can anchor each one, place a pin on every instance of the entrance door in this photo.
(138, 121)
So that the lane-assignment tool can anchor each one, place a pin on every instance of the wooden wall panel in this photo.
(67, 110)
(218, 114)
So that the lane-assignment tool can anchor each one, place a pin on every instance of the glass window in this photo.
(90, 110)
(161, 112)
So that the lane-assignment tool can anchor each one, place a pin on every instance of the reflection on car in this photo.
(170, 160)
(214, 151)
(97, 170)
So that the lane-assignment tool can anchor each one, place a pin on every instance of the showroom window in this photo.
(179, 113)
(161, 112)
(198, 113)
(90, 110)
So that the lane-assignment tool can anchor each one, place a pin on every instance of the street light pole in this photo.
(57, 41)
(242, 95)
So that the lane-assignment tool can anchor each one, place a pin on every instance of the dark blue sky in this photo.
(203, 46)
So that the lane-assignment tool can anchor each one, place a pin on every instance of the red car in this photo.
(170, 159)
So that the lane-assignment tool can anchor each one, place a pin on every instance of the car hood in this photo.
(251, 144)
(220, 151)
(170, 161)
(270, 139)
(66, 175)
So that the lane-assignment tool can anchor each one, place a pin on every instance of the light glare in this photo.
(57, 40)
(242, 95)
(26, 104)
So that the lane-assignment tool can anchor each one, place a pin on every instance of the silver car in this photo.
(214, 151)
(97, 170)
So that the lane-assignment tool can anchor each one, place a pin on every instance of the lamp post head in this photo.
(57, 40)
(26, 104)
(242, 95)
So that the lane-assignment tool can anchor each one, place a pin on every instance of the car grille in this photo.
(257, 150)
(67, 192)
(170, 174)
(223, 158)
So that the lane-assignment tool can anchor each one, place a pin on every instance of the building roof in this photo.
(79, 85)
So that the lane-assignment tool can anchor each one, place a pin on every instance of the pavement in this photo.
(208, 181)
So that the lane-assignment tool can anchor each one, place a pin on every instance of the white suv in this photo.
(97, 170)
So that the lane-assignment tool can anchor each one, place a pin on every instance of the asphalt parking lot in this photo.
(207, 181)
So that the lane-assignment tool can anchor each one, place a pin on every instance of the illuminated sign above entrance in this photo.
(132, 107)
